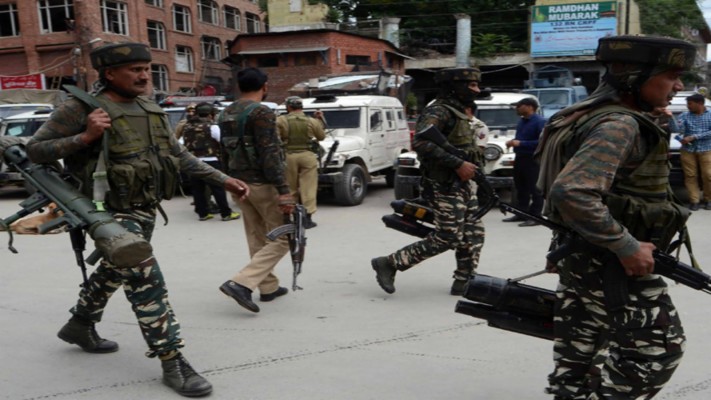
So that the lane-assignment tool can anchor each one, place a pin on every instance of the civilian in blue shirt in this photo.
(695, 129)
(525, 170)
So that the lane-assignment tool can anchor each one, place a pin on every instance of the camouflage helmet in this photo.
(457, 74)
(294, 102)
(658, 52)
(112, 55)
(190, 107)
(204, 109)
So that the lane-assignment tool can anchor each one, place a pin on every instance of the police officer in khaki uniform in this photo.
(128, 140)
(446, 181)
(300, 135)
(189, 113)
(605, 174)
(253, 153)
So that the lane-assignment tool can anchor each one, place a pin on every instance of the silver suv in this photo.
(23, 126)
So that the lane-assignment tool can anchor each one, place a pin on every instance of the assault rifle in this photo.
(294, 227)
(512, 306)
(112, 240)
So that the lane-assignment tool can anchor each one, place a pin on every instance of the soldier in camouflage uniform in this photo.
(253, 153)
(127, 148)
(446, 180)
(604, 169)
(201, 137)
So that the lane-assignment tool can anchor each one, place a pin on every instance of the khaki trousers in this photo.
(302, 176)
(692, 163)
(260, 213)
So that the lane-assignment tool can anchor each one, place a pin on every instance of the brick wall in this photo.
(34, 52)
(339, 44)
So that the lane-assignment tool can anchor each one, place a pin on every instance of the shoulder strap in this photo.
(454, 111)
(242, 117)
(83, 96)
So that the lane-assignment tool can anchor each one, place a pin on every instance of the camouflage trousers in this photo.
(627, 353)
(455, 229)
(144, 288)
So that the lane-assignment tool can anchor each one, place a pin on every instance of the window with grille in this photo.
(156, 35)
(210, 48)
(54, 15)
(9, 25)
(208, 11)
(114, 17)
(233, 18)
(181, 19)
(183, 59)
(160, 77)
(252, 23)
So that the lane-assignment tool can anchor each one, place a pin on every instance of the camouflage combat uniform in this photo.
(253, 153)
(606, 178)
(143, 284)
(198, 139)
(453, 202)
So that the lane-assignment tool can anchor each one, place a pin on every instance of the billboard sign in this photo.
(571, 29)
(35, 81)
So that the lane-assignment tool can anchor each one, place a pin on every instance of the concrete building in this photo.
(291, 15)
(189, 38)
(296, 56)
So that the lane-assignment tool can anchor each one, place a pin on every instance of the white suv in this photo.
(371, 132)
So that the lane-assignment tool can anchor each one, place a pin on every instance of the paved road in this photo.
(341, 337)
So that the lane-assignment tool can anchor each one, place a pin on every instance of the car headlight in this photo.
(492, 153)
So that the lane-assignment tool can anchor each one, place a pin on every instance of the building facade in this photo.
(188, 38)
(297, 56)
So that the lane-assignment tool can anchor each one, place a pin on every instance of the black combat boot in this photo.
(384, 273)
(82, 333)
(309, 223)
(181, 377)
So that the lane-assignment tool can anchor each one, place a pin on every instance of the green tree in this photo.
(431, 23)
(666, 17)
(498, 26)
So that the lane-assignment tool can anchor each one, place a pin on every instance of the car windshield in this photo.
(498, 117)
(340, 119)
(9, 110)
(24, 128)
(553, 98)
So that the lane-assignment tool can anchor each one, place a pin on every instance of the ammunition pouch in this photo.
(170, 171)
(648, 220)
(241, 153)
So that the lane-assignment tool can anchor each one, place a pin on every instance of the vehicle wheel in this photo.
(404, 190)
(390, 178)
(352, 190)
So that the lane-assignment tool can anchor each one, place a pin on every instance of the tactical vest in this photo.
(198, 138)
(299, 139)
(140, 168)
(642, 201)
(238, 144)
(463, 137)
